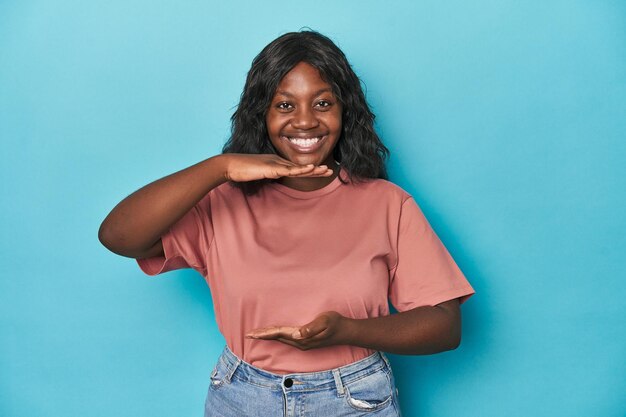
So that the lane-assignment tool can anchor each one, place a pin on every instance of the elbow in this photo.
(113, 240)
(453, 339)
(107, 237)
(116, 240)
(440, 344)
(447, 343)
(450, 329)
(454, 342)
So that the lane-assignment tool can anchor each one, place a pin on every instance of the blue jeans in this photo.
(365, 387)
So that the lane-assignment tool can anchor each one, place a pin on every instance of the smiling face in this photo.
(304, 118)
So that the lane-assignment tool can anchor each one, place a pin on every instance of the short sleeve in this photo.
(425, 273)
(186, 243)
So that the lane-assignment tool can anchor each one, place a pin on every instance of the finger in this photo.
(323, 335)
(291, 170)
(311, 329)
(304, 345)
(319, 171)
(286, 341)
(300, 169)
(271, 332)
(290, 342)
(264, 336)
(279, 170)
(262, 331)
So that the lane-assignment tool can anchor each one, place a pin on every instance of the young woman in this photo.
(303, 242)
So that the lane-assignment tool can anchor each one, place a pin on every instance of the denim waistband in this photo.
(305, 381)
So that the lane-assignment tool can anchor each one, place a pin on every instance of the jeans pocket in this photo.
(371, 392)
(218, 376)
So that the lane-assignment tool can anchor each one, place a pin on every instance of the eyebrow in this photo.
(317, 93)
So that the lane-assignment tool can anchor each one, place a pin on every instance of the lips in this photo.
(304, 144)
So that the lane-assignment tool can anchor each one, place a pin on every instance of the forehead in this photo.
(303, 79)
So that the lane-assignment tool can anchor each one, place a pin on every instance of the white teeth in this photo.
(304, 142)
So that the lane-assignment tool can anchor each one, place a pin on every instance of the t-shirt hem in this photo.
(462, 293)
(171, 261)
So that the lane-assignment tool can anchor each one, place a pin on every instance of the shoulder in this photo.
(382, 189)
(226, 190)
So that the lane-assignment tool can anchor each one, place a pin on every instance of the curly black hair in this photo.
(359, 149)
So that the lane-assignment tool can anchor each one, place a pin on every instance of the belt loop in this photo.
(338, 382)
(232, 370)
(382, 355)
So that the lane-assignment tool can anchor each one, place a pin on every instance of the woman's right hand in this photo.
(242, 167)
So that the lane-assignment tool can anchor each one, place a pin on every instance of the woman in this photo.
(302, 241)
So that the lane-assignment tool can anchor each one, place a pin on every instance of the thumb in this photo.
(310, 329)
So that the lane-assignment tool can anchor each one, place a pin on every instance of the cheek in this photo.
(337, 123)
(337, 118)
(274, 125)
(270, 125)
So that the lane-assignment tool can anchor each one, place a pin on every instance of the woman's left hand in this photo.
(327, 329)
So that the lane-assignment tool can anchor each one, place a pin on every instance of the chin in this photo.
(305, 160)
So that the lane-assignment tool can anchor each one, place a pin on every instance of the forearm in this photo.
(139, 220)
(420, 331)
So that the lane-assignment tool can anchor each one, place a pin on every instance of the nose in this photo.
(304, 118)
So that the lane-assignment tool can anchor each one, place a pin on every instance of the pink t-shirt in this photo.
(283, 256)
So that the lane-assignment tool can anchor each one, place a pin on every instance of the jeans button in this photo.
(288, 382)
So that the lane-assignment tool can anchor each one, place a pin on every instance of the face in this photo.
(304, 118)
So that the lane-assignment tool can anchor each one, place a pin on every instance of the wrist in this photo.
(350, 331)
(223, 163)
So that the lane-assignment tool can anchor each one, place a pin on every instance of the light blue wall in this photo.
(506, 121)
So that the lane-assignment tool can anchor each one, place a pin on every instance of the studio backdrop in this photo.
(506, 121)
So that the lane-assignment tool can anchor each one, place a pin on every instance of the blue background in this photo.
(506, 121)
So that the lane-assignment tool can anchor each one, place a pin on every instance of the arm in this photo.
(420, 331)
(135, 226)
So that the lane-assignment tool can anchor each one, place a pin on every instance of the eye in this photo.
(283, 105)
(324, 104)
